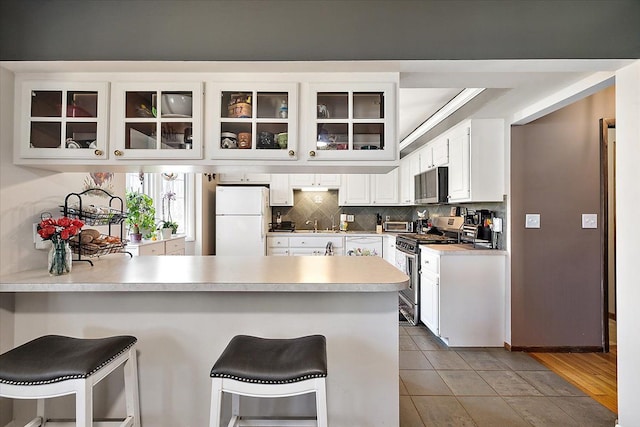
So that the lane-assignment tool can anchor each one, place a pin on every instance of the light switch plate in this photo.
(532, 221)
(350, 218)
(589, 220)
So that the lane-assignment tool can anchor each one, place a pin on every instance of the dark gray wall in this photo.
(317, 30)
(555, 277)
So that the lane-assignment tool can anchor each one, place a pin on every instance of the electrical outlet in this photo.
(37, 240)
(532, 221)
(387, 218)
(589, 220)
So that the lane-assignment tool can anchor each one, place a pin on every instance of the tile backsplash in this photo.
(323, 206)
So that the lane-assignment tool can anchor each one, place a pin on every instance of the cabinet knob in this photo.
(292, 153)
(312, 153)
(118, 153)
(98, 152)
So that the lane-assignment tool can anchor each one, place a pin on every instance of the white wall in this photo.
(627, 206)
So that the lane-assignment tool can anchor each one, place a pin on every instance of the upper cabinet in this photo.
(409, 168)
(476, 161)
(61, 120)
(435, 153)
(315, 180)
(156, 120)
(348, 121)
(247, 121)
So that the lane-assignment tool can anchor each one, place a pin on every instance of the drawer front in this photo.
(176, 252)
(278, 251)
(174, 245)
(277, 242)
(151, 249)
(430, 262)
(315, 242)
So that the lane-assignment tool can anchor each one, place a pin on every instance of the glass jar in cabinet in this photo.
(157, 120)
(352, 121)
(249, 121)
(62, 120)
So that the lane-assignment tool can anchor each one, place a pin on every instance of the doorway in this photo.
(608, 229)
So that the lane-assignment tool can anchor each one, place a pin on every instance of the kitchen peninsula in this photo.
(184, 310)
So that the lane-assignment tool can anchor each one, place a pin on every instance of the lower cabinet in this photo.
(173, 246)
(389, 248)
(462, 296)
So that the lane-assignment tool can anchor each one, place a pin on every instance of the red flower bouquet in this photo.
(59, 231)
(62, 228)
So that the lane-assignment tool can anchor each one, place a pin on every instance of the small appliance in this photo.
(398, 226)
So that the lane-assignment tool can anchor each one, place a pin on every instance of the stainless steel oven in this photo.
(447, 230)
(408, 262)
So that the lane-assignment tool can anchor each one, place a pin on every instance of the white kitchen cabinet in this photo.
(243, 178)
(173, 246)
(277, 246)
(351, 121)
(435, 153)
(315, 245)
(61, 119)
(369, 189)
(280, 192)
(261, 120)
(409, 168)
(385, 188)
(301, 180)
(151, 120)
(429, 291)
(355, 190)
(476, 161)
(389, 248)
(462, 296)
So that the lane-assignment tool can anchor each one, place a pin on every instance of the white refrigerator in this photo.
(243, 216)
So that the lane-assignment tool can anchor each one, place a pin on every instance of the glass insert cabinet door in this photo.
(253, 121)
(353, 121)
(157, 121)
(63, 120)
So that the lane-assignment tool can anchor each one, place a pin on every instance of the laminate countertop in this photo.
(121, 273)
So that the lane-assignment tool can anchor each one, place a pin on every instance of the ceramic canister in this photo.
(283, 140)
(244, 140)
(228, 140)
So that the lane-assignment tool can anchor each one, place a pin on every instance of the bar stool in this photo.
(261, 367)
(54, 365)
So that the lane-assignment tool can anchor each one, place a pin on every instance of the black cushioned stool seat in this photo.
(268, 368)
(55, 365)
(54, 358)
(272, 361)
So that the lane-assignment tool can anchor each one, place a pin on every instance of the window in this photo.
(173, 197)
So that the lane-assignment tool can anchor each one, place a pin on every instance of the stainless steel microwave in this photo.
(432, 186)
(398, 226)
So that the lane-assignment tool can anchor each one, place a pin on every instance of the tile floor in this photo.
(442, 386)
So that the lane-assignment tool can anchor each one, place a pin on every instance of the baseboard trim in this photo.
(534, 349)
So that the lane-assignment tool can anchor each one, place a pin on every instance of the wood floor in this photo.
(593, 373)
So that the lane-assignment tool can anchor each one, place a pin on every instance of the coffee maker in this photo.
(477, 227)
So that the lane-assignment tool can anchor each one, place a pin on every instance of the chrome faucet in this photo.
(315, 224)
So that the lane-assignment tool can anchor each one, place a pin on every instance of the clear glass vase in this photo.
(59, 257)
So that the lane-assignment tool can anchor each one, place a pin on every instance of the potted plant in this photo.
(167, 228)
(140, 215)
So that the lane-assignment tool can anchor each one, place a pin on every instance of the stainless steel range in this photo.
(445, 230)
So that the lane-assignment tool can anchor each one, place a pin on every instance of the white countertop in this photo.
(215, 273)
(462, 249)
